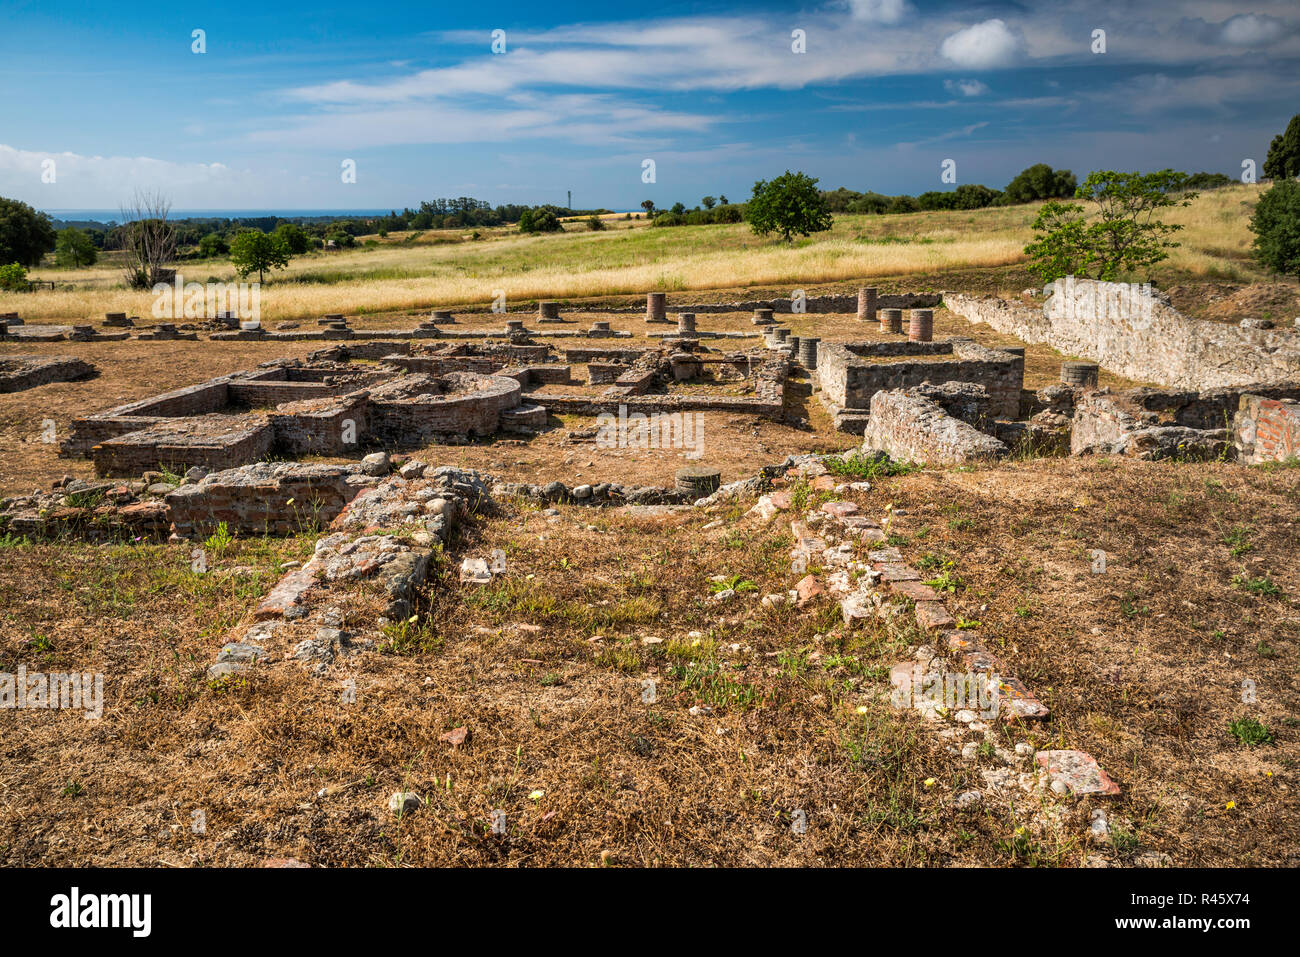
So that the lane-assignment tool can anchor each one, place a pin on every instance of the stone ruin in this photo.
(18, 373)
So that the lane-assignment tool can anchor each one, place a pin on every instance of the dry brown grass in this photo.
(280, 765)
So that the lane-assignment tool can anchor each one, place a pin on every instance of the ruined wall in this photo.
(1266, 430)
(849, 378)
(20, 373)
(321, 426)
(911, 428)
(265, 498)
(1137, 334)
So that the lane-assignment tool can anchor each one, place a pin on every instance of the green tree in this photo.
(1123, 235)
(1276, 225)
(540, 220)
(213, 245)
(790, 205)
(709, 202)
(1040, 181)
(595, 223)
(1283, 160)
(295, 240)
(25, 234)
(254, 250)
(649, 206)
(74, 248)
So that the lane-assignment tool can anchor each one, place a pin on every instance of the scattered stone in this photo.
(376, 464)
(475, 571)
(1075, 772)
(403, 802)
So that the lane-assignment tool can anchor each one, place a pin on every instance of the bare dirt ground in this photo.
(546, 668)
(739, 445)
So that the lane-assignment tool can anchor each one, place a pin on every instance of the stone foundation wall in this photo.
(170, 446)
(321, 430)
(265, 498)
(19, 373)
(912, 428)
(1140, 336)
(400, 422)
(849, 378)
(847, 303)
(1266, 430)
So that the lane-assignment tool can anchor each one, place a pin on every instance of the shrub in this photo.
(13, 278)
(1276, 225)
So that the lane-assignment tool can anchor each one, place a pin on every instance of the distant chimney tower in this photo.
(570, 193)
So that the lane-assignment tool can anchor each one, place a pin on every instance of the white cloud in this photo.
(966, 87)
(1249, 30)
(983, 46)
(879, 11)
(94, 182)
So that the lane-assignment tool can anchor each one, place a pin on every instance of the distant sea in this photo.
(105, 215)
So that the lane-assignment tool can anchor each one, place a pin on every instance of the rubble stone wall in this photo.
(849, 378)
(912, 428)
(1140, 336)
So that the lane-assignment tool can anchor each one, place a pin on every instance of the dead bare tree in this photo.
(148, 239)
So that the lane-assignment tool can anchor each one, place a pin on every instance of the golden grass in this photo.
(394, 275)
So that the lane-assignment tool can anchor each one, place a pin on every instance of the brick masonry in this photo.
(1266, 430)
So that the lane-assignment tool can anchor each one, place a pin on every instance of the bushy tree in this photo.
(1124, 234)
(13, 278)
(595, 223)
(1283, 160)
(1040, 181)
(74, 248)
(256, 251)
(294, 239)
(709, 202)
(1276, 225)
(540, 220)
(25, 234)
(790, 205)
(213, 245)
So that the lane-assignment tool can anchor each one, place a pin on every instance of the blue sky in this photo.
(885, 92)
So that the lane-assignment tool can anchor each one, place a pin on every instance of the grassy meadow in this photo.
(406, 271)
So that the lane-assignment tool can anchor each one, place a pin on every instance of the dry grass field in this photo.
(405, 272)
(760, 712)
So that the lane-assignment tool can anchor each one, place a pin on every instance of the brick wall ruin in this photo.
(1266, 430)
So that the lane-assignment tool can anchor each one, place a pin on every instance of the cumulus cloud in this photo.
(96, 181)
(1249, 30)
(983, 46)
(966, 87)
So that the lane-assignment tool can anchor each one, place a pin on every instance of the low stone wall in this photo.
(1134, 332)
(1109, 423)
(400, 421)
(912, 428)
(265, 498)
(847, 303)
(18, 373)
(849, 378)
(1266, 430)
